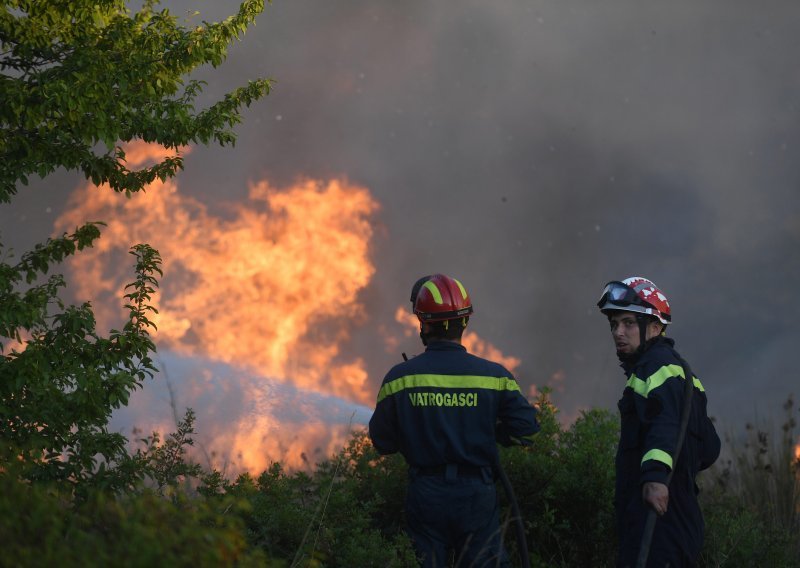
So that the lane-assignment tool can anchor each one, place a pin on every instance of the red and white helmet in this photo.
(636, 294)
(442, 298)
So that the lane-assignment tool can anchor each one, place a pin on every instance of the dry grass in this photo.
(760, 473)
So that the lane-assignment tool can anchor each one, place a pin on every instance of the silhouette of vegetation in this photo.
(348, 511)
(752, 500)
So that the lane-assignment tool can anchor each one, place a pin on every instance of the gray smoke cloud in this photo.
(536, 150)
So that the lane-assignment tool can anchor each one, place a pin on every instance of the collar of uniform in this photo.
(628, 362)
(661, 340)
(445, 346)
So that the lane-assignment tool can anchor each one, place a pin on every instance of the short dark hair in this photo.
(449, 330)
(416, 287)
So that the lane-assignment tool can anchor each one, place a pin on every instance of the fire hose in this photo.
(650, 522)
(519, 525)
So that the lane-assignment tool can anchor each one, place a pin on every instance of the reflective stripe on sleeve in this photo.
(658, 455)
(645, 387)
(447, 382)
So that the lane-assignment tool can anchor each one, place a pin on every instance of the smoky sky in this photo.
(536, 150)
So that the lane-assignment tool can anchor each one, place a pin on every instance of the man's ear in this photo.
(660, 328)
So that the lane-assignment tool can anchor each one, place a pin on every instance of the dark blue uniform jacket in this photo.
(650, 412)
(447, 406)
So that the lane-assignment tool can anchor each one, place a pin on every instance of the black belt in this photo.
(462, 470)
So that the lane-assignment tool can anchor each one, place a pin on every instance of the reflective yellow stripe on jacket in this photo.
(645, 387)
(447, 382)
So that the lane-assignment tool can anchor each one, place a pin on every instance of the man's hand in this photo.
(656, 495)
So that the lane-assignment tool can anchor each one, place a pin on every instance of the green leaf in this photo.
(97, 72)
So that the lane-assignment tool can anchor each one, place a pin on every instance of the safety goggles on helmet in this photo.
(631, 297)
(622, 295)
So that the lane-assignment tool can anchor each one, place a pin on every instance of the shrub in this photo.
(40, 525)
(564, 483)
(736, 535)
(332, 517)
(752, 508)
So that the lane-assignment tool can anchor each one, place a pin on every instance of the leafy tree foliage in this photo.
(166, 464)
(79, 76)
(78, 79)
(57, 394)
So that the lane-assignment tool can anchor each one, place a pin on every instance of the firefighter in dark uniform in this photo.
(651, 410)
(444, 410)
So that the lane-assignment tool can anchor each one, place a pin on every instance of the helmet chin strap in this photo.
(643, 321)
(629, 358)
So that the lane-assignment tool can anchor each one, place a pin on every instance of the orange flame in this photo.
(272, 287)
(247, 290)
(9, 345)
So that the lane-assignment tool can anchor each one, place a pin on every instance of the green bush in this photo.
(737, 535)
(564, 484)
(359, 513)
(349, 511)
(752, 507)
(40, 525)
(332, 518)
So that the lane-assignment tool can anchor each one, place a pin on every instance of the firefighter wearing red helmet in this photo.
(445, 410)
(666, 437)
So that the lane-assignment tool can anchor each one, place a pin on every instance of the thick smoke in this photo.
(536, 150)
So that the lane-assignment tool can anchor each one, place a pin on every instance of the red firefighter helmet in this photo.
(442, 298)
(636, 294)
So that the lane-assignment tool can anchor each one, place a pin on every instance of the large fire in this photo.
(270, 289)
(246, 290)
